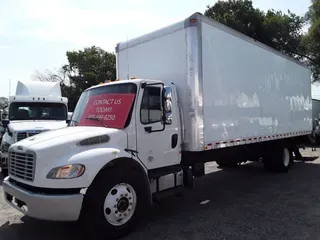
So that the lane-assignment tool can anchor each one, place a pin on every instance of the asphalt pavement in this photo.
(243, 203)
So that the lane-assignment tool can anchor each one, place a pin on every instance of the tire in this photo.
(280, 161)
(115, 191)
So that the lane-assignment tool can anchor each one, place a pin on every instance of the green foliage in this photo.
(86, 68)
(284, 33)
(278, 30)
(239, 15)
(312, 40)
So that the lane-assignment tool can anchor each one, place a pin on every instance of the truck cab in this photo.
(141, 109)
(110, 143)
(36, 107)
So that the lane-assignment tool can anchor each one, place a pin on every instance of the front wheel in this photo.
(114, 203)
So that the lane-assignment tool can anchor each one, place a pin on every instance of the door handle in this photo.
(174, 140)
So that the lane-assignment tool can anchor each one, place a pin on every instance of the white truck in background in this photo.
(35, 107)
(203, 92)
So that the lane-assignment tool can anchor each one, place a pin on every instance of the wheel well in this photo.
(126, 163)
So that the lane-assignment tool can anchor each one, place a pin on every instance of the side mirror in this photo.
(5, 122)
(168, 120)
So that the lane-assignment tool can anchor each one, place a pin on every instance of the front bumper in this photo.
(3, 161)
(54, 207)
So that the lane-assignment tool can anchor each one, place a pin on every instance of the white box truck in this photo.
(35, 107)
(203, 92)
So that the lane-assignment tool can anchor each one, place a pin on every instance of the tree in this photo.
(90, 66)
(85, 68)
(57, 75)
(311, 41)
(278, 30)
(284, 33)
(239, 15)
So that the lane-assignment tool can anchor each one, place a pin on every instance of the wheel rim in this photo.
(120, 204)
(286, 157)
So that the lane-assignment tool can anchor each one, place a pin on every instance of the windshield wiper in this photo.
(97, 119)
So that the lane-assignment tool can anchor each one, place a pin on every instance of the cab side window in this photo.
(151, 111)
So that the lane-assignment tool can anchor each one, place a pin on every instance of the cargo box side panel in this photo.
(250, 91)
(161, 55)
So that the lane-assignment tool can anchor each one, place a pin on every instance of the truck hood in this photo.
(18, 126)
(61, 147)
(64, 136)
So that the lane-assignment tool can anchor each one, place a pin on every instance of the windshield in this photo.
(109, 105)
(37, 111)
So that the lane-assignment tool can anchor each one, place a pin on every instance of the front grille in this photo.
(23, 135)
(22, 165)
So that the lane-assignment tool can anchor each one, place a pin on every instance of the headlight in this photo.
(66, 172)
(5, 146)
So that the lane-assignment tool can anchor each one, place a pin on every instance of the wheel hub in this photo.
(123, 204)
(120, 203)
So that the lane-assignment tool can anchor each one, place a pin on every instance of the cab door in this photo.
(158, 141)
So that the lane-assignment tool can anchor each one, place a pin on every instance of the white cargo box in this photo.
(232, 89)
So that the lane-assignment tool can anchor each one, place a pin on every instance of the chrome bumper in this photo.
(41, 206)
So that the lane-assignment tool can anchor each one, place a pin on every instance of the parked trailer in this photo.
(205, 93)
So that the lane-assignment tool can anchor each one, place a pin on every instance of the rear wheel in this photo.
(280, 160)
(286, 161)
(114, 203)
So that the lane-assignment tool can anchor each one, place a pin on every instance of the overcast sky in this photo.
(35, 34)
